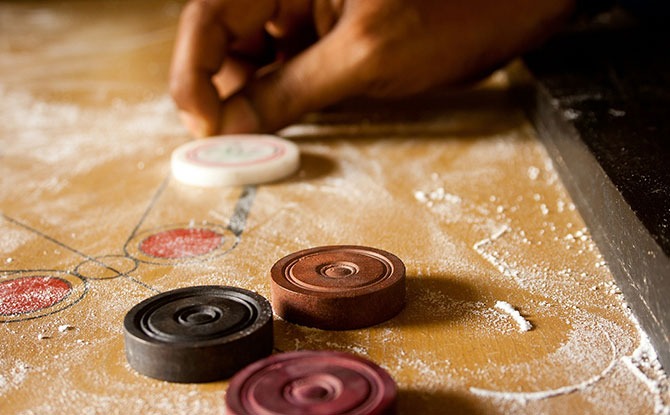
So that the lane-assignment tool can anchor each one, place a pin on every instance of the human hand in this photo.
(221, 81)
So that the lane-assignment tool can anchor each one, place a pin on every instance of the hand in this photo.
(225, 77)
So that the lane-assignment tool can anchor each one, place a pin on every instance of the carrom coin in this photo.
(234, 160)
(312, 382)
(198, 334)
(338, 287)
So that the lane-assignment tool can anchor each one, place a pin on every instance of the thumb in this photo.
(328, 71)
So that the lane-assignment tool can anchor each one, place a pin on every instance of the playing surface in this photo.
(457, 186)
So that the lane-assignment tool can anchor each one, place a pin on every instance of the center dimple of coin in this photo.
(198, 314)
(339, 269)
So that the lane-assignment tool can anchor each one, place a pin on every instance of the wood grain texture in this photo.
(455, 184)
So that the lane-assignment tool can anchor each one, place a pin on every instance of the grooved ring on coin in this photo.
(312, 382)
(339, 287)
(198, 334)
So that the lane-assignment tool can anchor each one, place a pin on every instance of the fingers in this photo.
(198, 53)
(328, 71)
(372, 47)
(244, 59)
(326, 13)
(208, 30)
(214, 58)
(234, 74)
(289, 17)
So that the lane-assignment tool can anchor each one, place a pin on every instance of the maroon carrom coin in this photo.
(339, 287)
(312, 383)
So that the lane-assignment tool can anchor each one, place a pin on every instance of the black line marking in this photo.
(120, 274)
(236, 225)
(238, 220)
(81, 297)
(75, 251)
(133, 250)
(143, 284)
(8, 272)
(85, 280)
(69, 291)
(77, 271)
(57, 242)
(51, 239)
(151, 205)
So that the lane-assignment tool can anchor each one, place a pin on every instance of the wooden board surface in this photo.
(606, 118)
(456, 185)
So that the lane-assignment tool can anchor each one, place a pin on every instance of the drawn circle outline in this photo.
(78, 289)
(99, 261)
(133, 250)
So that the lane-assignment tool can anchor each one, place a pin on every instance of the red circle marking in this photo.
(29, 294)
(181, 243)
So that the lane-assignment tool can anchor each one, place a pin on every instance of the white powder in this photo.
(479, 246)
(12, 239)
(33, 121)
(457, 199)
(524, 397)
(544, 209)
(14, 377)
(65, 327)
(645, 366)
(524, 325)
(494, 236)
(351, 348)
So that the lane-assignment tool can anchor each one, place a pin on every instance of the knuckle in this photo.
(374, 57)
(181, 92)
(386, 58)
(194, 11)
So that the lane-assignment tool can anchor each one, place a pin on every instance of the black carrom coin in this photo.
(198, 334)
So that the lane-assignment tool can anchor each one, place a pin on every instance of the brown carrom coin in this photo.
(312, 382)
(338, 287)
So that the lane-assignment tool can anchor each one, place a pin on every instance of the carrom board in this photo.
(455, 184)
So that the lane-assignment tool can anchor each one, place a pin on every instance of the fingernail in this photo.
(238, 116)
(196, 125)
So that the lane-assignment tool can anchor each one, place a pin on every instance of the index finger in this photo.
(206, 30)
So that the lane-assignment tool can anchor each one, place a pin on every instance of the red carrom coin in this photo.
(314, 383)
(338, 287)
